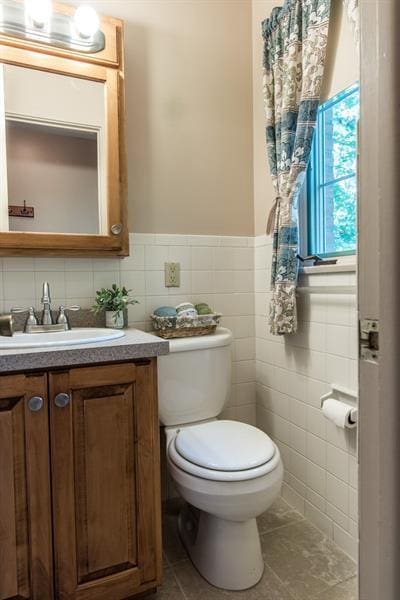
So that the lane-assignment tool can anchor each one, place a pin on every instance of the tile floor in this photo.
(301, 563)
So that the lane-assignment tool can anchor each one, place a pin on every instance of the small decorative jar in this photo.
(115, 320)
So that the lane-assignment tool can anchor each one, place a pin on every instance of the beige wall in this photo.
(341, 71)
(195, 117)
(188, 77)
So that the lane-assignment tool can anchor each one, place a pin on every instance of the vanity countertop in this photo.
(134, 345)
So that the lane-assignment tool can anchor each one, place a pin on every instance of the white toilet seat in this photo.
(229, 500)
(270, 452)
(224, 445)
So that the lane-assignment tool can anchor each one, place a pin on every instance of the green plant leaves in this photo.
(114, 299)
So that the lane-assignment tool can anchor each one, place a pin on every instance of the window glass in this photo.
(332, 180)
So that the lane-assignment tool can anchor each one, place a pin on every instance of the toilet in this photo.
(227, 472)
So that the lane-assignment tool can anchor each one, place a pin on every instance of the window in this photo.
(332, 177)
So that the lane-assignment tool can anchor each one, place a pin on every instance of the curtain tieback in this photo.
(272, 215)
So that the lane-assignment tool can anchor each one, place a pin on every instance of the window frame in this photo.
(315, 217)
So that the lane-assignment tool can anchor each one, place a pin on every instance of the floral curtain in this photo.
(295, 39)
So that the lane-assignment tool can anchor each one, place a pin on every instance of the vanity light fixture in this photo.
(87, 21)
(34, 20)
(38, 13)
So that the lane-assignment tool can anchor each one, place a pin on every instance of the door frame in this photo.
(379, 298)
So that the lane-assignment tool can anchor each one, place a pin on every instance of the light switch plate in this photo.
(172, 274)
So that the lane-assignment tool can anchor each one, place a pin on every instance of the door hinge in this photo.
(369, 339)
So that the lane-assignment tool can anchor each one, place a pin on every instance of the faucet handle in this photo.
(18, 309)
(31, 319)
(62, 318)
(73, 308)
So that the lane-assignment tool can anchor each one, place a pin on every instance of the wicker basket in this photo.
(182, 326)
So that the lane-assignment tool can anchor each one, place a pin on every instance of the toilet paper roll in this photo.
(339, 412)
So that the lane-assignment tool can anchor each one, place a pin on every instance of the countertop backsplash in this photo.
(218, 270)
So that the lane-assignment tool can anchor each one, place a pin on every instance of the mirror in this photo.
(53, 152)
(63, 181)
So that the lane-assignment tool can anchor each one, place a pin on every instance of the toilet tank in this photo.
(194, 379)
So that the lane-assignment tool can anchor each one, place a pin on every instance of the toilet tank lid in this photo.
(221, 337)
(224, 445)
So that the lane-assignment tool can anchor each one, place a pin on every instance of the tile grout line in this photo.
(279, 527)
(180, 586)
(332, 587)
(348, 579)
(292, 597)
(295, 597)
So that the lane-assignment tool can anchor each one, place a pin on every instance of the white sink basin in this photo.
(79, 335)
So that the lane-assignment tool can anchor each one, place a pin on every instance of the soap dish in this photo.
(185, 326)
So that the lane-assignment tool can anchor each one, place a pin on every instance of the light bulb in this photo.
(87, 21)
(38, 11)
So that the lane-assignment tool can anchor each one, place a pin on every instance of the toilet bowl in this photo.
(221, 535)
(227, 472)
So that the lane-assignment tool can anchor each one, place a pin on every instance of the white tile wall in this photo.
(292, 373)
(218, 270)
(277, 382)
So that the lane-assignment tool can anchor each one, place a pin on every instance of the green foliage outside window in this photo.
(332, 177)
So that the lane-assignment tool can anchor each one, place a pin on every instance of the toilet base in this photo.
(226, 553)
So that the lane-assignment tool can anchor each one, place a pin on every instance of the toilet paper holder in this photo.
(342, 391)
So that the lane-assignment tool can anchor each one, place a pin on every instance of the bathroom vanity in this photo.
(79, 435)
(79, 463)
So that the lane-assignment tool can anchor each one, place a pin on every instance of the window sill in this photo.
(346, 264)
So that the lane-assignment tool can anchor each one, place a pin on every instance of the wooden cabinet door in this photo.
(25, 504)
(105, 474)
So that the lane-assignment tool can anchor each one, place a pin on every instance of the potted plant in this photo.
(113, 301)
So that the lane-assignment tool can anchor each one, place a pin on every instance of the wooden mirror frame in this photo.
(107, 67)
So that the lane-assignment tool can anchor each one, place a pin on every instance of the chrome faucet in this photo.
(47, 324)
(47, 317)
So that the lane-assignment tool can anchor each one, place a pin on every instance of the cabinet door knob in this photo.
(35, 403)
(62, 400)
